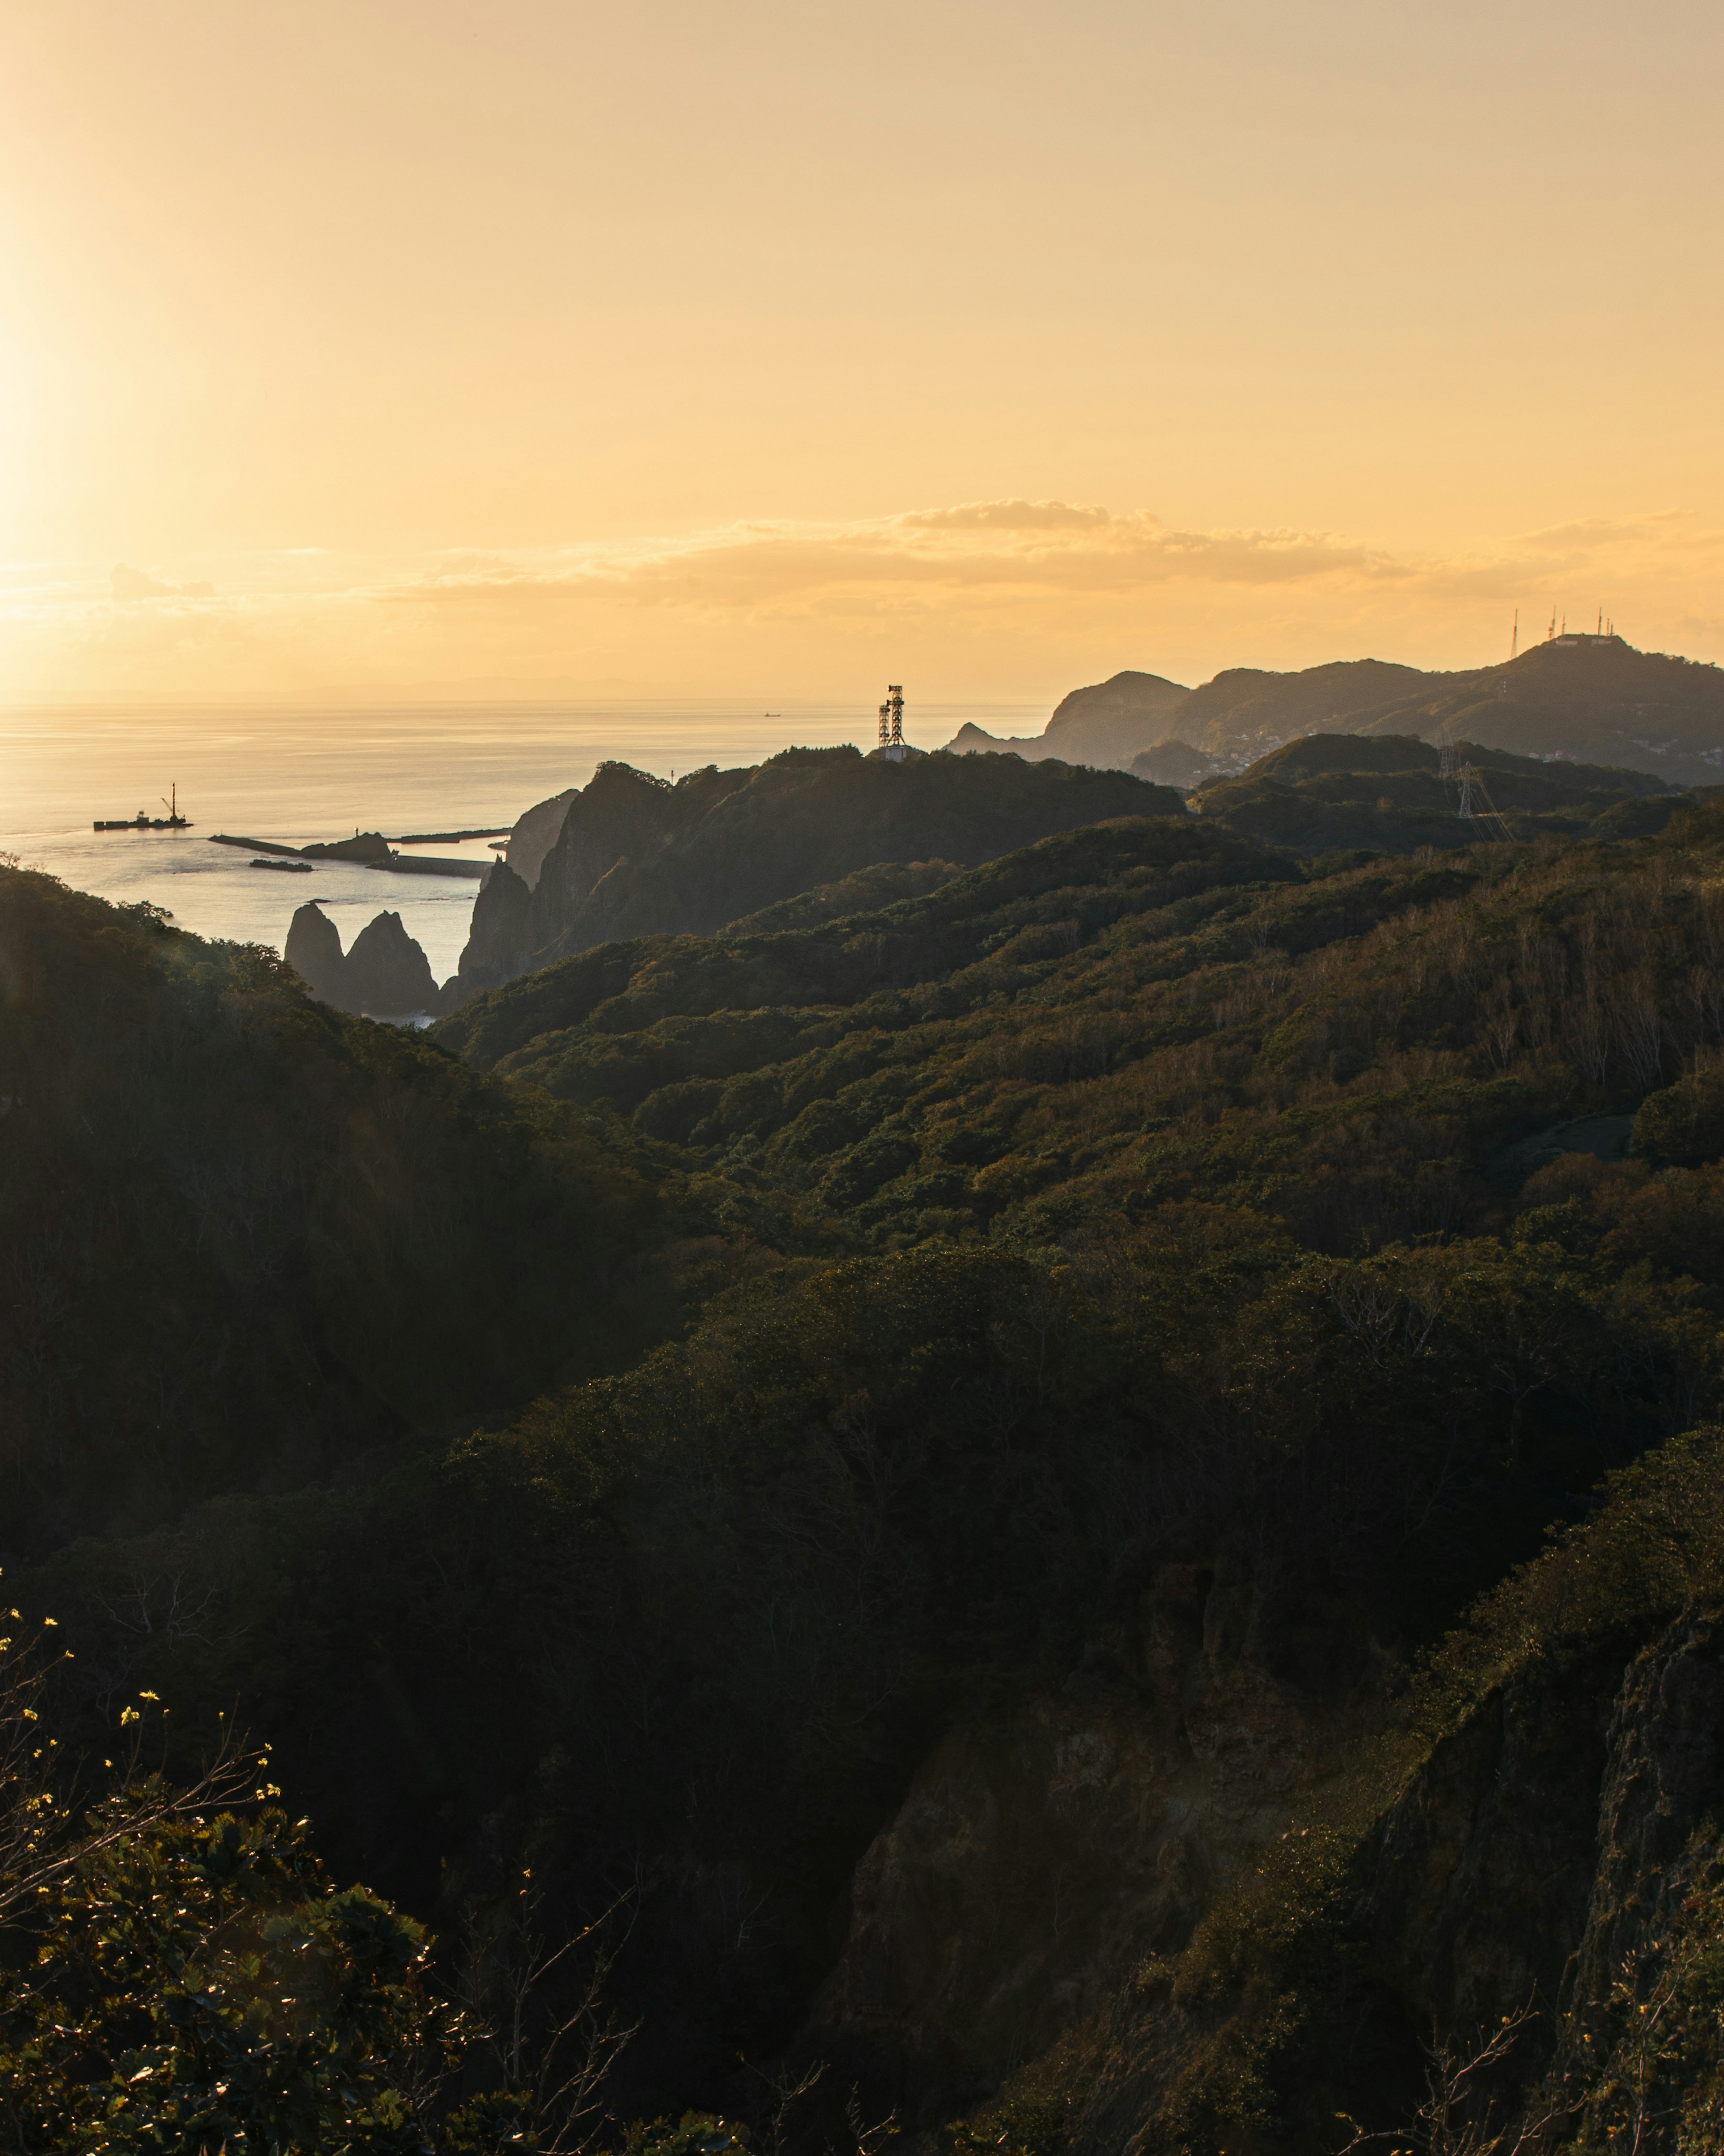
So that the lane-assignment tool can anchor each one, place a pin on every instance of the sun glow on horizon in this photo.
(365, 352)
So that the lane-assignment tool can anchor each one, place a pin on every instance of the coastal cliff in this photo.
(637, 856)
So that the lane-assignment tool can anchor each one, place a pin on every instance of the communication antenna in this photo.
(1514, 637)
(1552, 630)
(891, 726)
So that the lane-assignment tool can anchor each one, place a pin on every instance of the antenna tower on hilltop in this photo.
(1514, 638)
(891, 725)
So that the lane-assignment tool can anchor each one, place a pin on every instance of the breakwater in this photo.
(367, 849)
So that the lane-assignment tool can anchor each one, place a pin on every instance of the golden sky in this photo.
(528, 348)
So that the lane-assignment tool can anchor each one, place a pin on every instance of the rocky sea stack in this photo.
(385, 975)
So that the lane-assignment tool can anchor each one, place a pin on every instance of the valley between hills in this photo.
(1013, 1451)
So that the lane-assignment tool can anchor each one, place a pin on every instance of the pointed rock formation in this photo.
(497, 942)
(389, 975)
(314, 951)
(385, 975)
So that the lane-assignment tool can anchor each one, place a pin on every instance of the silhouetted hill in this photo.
(1595, 700)
(1592, 700)
(1174, 763)
(1246, 710)
(1106, 725)
(1329, 792)
(265, 1237)
(637, 856)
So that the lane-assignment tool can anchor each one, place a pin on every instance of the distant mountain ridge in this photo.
(1593, 699)
(1107, 724)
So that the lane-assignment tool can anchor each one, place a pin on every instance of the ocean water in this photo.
(296, 776)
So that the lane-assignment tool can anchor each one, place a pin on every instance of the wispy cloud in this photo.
(994, 594)
(129, 584)
(1015, 547)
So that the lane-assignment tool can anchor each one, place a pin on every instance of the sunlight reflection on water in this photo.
(295, 776)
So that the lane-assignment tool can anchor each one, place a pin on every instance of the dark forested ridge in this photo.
(636, 855)
(1594, 698)
(1329, 792)
(1027, 1572)
(251, 1241)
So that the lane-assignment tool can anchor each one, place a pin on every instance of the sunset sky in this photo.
(493, 348)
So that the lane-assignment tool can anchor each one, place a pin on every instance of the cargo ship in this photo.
(172, 821)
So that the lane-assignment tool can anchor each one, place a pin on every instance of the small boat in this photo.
(143, 821)
(285, 868)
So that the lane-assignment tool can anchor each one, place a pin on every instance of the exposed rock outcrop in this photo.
(498, 937)
(1039, 1858)
(314, 951)
(620, 814)
(637, 856)
(536, 832)
(385, 975)
(1658, 1850)
(1035, 1893)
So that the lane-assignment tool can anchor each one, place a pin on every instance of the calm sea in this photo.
(295, 776)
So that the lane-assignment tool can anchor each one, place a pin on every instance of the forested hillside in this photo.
(1595, 699)
(250, 1240)
(636, 855)
(1035, 1612)
(1328, 791)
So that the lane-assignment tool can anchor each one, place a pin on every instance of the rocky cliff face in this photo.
(1040, 1918)
(389, 975)
(385, 975)
(1040, 1858)
(536, 832)
(637, 857)
(622, 815)
(499, 938)
(314, 950)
